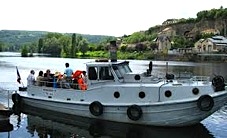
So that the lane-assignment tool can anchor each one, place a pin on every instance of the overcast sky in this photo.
(97, 17)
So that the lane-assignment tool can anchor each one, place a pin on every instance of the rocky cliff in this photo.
(193, 28)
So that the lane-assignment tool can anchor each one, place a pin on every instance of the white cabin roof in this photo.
(105, 63)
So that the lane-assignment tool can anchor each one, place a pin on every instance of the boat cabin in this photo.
(106, 71)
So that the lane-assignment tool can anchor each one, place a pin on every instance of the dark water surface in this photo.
(37, 123)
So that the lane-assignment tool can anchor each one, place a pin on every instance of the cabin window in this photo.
(124, 69)
(127, 68)
(121, 69)
(117, 72)
(105, 74)
(92, 73)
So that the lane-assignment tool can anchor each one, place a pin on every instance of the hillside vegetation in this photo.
(14, 39)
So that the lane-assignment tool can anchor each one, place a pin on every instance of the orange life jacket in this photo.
(82, 85)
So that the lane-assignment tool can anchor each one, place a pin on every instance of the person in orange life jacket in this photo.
(81, 82)
(77, 76)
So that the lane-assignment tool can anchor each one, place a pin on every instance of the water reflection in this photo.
(57, 125)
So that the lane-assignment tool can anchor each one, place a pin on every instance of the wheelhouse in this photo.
(107, 71)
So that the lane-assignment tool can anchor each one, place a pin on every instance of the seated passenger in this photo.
(84, 76)
(31, 78)
(48, 77)
(75, 77)
(81, 83)
(40, 79)
(57, 80)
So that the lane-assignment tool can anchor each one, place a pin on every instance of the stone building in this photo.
(210, 45)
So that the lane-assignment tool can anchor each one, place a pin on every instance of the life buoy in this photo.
(205, 103)
(16, 98)
(134, 112)
(96, 108)
(218, 81)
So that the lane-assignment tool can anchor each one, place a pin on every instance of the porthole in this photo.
(142, 95)
(116, 94)
(137, 77)
(168, 93)
(195, 91)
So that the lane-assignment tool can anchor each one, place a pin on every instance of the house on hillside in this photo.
(170, 21)
(163, 43)
(209, 45)
(163, 40)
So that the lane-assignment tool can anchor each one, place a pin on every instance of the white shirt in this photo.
(30, 79)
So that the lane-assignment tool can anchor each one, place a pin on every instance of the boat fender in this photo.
(16, 98)
(205, 103)
(134, 112)
(219, 83)
(96, 108)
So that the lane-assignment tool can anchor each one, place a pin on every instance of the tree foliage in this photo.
(73, 46)
(136, 38)
(2, 45)
(24, 51)
(40, 45)
(212, 14)
(83, 46)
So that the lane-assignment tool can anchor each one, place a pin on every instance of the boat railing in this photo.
(58, 84)
(184, 81)
(204, 79)
(184, 75)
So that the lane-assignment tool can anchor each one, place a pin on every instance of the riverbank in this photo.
(140, 56)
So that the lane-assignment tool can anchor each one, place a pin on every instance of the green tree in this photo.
(24, 51)
(73, 46)
(1, 46)
(52, 46)
(136, 38)
(65, 42)
(83, 46)
(40, 45)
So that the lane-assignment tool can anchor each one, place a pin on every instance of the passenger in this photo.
(57, 80)
(31, 78)
(84, 76)
(40, 79)
(48, 77)
(68, 73)
(81, 83)
(58, 76)
(75, 77)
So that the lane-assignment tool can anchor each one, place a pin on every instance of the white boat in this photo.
(115, 93)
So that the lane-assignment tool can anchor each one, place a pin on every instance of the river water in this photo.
(36, 123)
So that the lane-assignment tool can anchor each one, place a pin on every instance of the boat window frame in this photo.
(106, 72)
(121, 69)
